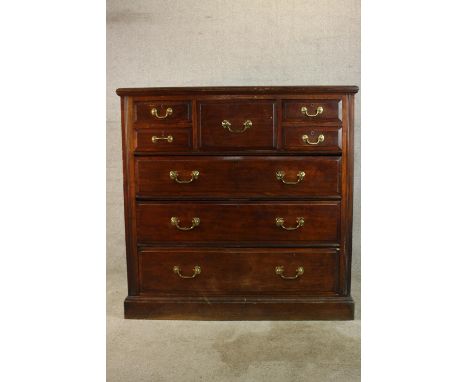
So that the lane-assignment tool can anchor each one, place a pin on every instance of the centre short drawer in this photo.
(225, 177)
(239, 271)
(239, 125)
(292, 223)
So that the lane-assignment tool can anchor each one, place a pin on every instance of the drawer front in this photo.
(237, 125)
(163, 140)
(239, 271)
(162, 113)
(269, 222)
(310, 138)
(328, 110)
(225, 177)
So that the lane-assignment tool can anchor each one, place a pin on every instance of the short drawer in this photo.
(163, 140)
(309, 138)
(239, 271)
(326, 110)
(162, 113)
(242, 125)
(290, 223)
(234, 176)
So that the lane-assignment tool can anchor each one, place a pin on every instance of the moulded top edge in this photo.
(228, 90)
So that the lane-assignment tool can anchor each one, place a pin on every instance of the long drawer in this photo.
(290, 223)
(239, 271)
(234, 176)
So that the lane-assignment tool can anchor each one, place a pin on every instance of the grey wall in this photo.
(220, 42)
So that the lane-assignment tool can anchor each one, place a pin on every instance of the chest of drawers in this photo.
(238, 202)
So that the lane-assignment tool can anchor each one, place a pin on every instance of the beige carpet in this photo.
(141, 350)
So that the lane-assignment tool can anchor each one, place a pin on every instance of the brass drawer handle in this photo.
(279, 270)
(280, 176)
(299, 221)
(227, 125)
(320, 139)
(196, 271)
(174, 175)
(175, 221)
(154, 112)
(317, 112)
(155, 139)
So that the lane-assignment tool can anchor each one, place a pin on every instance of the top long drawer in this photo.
(238, 176)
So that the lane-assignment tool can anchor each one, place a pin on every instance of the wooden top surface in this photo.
(217, 90)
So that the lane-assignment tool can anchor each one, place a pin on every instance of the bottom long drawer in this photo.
(311, 271)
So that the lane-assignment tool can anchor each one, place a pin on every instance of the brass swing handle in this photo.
(154, 112)
(320, 139)
(196, 271)
(155, 139)
(174, 175)
(279, 270)
(227, 125)
(175, 222)
(280, 176)
(317, 112)
(299, 221)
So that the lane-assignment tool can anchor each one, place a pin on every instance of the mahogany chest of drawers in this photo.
(238, 202)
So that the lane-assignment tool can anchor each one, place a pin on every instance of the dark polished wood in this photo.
(229, 308)
(261, 134)
(181, 140)
(239, 223)
(292, 110)
(169, 113)
(239, 271)
(237, 90)
(237, 196)
(244, 177)
(293, 138)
